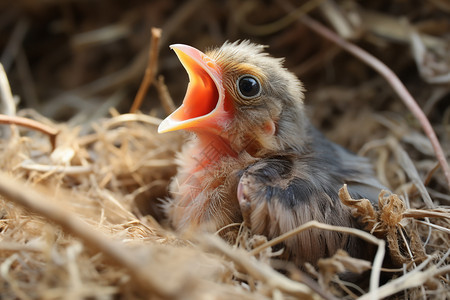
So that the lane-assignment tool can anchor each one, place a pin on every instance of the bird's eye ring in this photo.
(248, 86)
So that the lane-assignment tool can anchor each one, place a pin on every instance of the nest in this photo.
(81, 177)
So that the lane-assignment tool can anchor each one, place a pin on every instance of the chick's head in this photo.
(241, 94)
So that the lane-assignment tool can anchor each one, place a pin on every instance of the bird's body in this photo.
(254, 155)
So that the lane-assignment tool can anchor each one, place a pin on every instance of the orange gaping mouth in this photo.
(204, 104)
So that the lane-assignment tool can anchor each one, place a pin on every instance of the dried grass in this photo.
(79, 216)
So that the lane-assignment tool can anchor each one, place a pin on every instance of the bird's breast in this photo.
(204, 190)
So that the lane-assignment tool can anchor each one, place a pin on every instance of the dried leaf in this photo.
(391, 209)
(361, 208)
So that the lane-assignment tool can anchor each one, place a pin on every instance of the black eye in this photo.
(248, 87)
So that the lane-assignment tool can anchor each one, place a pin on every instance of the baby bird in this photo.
(253, 155)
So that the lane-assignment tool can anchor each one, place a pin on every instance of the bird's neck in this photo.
(210, 149)
(293, 131)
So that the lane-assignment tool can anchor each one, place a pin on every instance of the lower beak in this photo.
(204, 104)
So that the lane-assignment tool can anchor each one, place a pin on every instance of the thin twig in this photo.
(314, 224)
(388, 74)
(67, 170)
(446, 230)
(150, 71)
(411, 279)
(32, 124)
(443, 258)
(124, 118)
(422, 213)
(408, 166)
(6, 97)
(164, 96)
(429, 175)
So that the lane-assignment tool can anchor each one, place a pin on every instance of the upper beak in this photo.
(204, 103)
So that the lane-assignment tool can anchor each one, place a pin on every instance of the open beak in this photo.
(204, 104)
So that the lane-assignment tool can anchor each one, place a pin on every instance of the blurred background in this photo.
(72, 60)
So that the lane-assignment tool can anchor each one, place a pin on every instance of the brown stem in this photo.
(150, 71)
(29, 123)
(164, 96)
